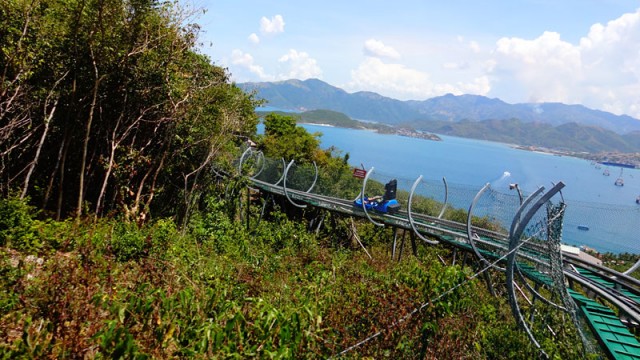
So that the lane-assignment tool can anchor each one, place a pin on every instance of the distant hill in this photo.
(333, 118)
(330, 118)
(315, 94)
(571, 136)
(633, 139)
(326, 117)
(568, 137)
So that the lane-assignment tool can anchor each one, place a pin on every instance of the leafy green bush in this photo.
(217, 290)
(163, 233)
(117, 343)
(17, 225)
(128, 242)
(57, 235)
(10, 275)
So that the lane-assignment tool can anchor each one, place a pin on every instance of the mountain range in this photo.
(538, 124)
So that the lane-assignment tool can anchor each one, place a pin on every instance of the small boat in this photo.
(620, 181)
(583, 227)
(638, 200)
(605, 172)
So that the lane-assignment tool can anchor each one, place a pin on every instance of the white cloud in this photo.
(254, 38)
(388, 79)
(474, 46)
(274, 25)
(602, 71)
(479, 86)
(246, 61)
(455, 66)
(299, 66)
(547, 66)
(401, 82)
(375, 48)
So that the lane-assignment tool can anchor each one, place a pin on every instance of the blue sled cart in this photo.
(386, 203)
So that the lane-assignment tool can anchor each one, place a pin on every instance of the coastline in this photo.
(387, 130)
(628, 160)
(316, 124)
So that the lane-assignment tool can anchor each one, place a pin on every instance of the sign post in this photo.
(359, 173)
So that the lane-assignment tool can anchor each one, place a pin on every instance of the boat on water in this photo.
(638, 200)
(606, 172)
(620, 180)
(583, 227)
(622, 165)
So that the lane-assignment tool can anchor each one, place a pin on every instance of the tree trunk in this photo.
(27, 178)
(155, 178)
(47, 122)
(103, 189)
(85, 145)
(52, 177)
(65, 149)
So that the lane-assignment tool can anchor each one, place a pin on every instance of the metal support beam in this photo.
(364, 207)
(410, 214)
(446, 197)
(471, 235)
(517, 228)
(284, 187)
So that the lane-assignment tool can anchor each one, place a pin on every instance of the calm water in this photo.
(610, 211)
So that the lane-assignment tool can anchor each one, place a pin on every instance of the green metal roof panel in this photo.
(614, 336)
(602, 280)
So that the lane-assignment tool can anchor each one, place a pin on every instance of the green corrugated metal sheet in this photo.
(608, 284)
(615, 338)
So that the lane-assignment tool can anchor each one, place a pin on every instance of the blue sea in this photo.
(609, 211)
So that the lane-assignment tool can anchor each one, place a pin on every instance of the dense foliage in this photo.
(284, 139)
(111, 289)
(621, 262)
(105, 106)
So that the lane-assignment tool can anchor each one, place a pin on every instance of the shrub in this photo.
(128, 242)
(58, 235)
(163, 232)
(17, 225)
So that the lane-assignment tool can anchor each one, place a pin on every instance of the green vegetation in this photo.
(105, 107)
(333, 118)
(621, 262)
(109, 289)
(120, 238)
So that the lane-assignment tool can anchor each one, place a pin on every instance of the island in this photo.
(337, 119)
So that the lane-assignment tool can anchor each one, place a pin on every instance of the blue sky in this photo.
(572, 51)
